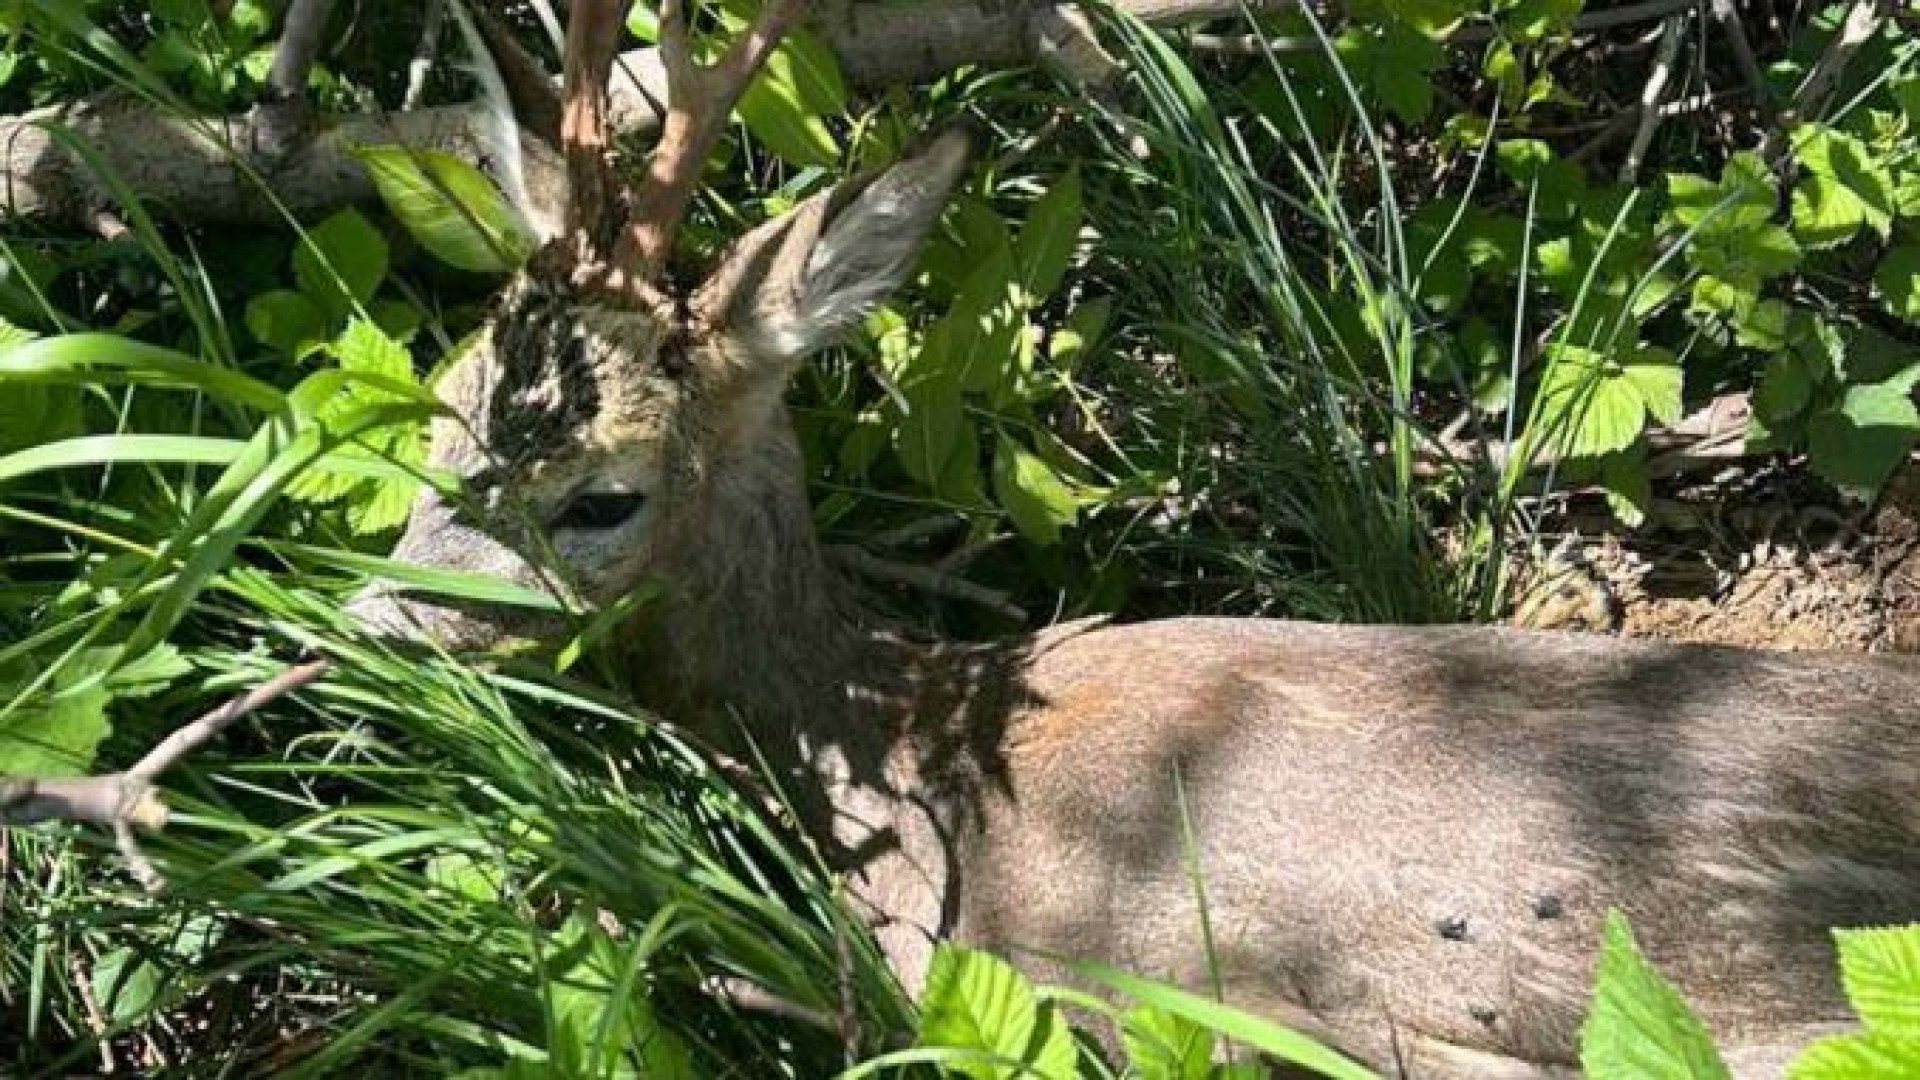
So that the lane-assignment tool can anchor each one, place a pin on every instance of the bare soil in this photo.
(1764, 557)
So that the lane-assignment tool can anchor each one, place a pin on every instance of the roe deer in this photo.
(1408, 836)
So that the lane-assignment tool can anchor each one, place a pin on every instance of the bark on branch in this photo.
(192, 167)
(125, 801)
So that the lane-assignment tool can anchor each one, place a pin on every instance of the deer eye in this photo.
(599, 510)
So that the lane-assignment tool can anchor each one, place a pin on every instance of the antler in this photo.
(699, 100)
(626, 255)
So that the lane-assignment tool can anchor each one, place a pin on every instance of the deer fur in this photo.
(1408, 837)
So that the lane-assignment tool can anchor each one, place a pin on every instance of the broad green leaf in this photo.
(1432, 18)
(1847, 186)
(56, 731)
(1394, 64)
(1749, 256)
(601, 1013)
(1047, 238)
(1593, 405)
(340, 262)
(376, 503)
(450, 207)
(1898, 278)
(1858, 1057)
(286, 320)
(1629, 489)
(1859, 441)
(929, 433)
(1880, 969)
(1655, 373)
(1744, 198)
(125, 985)
(1034, 496)
(1162, 1046)
(1531, 20)
(975, 1001)
(1562, 186)
(1785, 390)
(1638, 1027)
(775, 109)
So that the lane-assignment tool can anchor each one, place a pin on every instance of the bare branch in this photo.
(1653, 95)
(124, 802)
(188, 163)
(279, 121)
(1863, 21)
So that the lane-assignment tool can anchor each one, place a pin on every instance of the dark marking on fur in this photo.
(547, 395)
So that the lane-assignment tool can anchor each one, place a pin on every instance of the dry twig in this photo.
(124, 802)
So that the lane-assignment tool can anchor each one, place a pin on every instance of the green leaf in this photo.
(1880, 969)
(775, 111)
(1743, 199)
(1639, 1028)
(974, 1001)
(1655, 373)
(382, 502)
(1594, 405)
(1034, 496)
(1048, 237)
(1629, 489)
(1847, 186)
(450, 207)
(340, 262)
(1394, 64)
(57, 730)
(1531, 20)
(1562, 186)
(1859, 441)
(287, 321)
(600, 1010)
(1162, 1046)
(1749, 257)
(54, 733)
(929, 433)
(1858, 1057)
(1785, 390)
(1898, 279)
(125, 985)
(1240, 1027)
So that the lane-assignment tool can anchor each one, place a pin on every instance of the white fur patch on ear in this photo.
(871, 245)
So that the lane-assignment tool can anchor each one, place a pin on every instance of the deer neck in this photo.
(754, 639)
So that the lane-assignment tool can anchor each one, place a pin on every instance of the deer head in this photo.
(609, 428)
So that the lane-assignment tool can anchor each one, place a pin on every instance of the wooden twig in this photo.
(1652, 96)
(124, 802)
(860, 561)
(279, 121)
(1810, 98)
(1728, 17)
(424, 54)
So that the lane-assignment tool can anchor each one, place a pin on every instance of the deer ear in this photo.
(797, 283)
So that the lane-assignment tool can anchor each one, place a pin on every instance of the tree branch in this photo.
(125, 801)
(279, 121)
(189, 164)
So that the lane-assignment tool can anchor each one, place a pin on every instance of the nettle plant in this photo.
(1578, 313)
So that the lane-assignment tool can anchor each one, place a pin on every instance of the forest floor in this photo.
(1760, 556)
